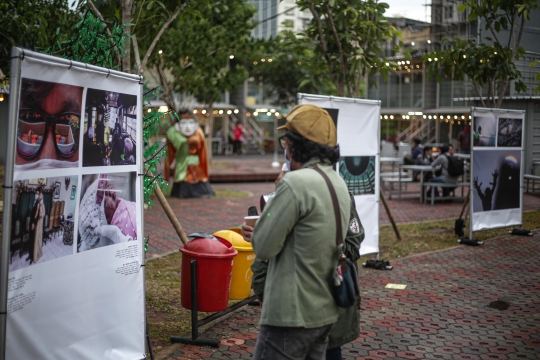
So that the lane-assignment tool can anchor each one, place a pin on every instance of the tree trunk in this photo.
(127, 8)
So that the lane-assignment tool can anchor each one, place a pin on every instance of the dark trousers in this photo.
(334, 354)
(291, 343)
(237, 146)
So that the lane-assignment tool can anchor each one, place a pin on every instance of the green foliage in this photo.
(33, 24)
(92, 44)
(489, 66)
(197, 49)
(348, 35)
(287, 65)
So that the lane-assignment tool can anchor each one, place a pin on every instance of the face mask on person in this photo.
(287, 162)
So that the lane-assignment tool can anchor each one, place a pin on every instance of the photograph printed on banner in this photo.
(496, 180)
(42, 227)
(484, 128)
(110, 128)
(107, 211)
(358, 173)
(48, 125)
(510, 132)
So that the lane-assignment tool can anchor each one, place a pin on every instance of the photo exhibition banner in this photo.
(497, 171)
(75, 284)
(357, 123)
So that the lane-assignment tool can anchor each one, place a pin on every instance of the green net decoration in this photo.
(92, 44)
(153, 151)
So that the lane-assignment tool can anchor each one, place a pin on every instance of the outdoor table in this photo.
(463, 156)
(419, 168)
(393, 160)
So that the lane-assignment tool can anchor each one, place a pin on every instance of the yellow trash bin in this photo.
(241, 270)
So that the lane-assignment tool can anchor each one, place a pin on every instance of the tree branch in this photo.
(136, 51)
(158, 36)
(324, 47)
(479, 93)
(340, 48)
(98, 14)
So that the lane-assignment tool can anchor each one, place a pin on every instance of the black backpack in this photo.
(456, 166)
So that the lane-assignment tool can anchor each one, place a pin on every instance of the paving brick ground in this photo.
(445, 312)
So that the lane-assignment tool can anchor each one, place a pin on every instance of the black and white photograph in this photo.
(110, 129)
(42, 227)
(484, 129)
(358, 173)
(107, 211)
(496, 180)
(510, 132)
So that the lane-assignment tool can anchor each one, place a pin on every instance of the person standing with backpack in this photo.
(445, 177)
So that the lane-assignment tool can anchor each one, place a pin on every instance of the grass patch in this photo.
(430, 236)
(224, 193)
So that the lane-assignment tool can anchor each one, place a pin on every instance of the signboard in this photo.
(75, 285)
(497, 170)
(357, 123)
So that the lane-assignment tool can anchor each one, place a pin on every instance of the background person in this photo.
(38, 213)
(238, 138)
(444, 178)
(416, 151)
(464, 141)
(296, 237)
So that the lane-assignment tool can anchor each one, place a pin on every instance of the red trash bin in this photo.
(214, 269)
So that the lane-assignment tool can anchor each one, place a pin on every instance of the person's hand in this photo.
(247, 231)
(280, 176)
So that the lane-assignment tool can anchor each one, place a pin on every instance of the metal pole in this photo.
(275, 163)
(15, 82)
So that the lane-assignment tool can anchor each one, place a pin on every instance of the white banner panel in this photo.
(497, 171)
(76, 285)
(357, 124)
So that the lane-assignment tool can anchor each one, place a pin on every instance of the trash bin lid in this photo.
(235, 239)
(209, 248)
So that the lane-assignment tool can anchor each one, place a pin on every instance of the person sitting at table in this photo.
(417, 149)
(444, 178)
(425, 159)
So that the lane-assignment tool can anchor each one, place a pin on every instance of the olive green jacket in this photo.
(347, 327)
(296, 233)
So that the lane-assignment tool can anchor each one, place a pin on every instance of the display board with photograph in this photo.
(75, 188)
(497, 170)
(357, 123)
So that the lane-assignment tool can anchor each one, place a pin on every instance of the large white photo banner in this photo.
(357, 123)
(497, 170)
(75, 281)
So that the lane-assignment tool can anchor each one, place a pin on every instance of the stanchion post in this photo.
(194, 340)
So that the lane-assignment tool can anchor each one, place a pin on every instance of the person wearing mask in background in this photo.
(293, 234)
(451, 149)
(464, 141)
(445, 178)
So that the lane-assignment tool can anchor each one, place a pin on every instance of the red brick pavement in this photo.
(444, 312)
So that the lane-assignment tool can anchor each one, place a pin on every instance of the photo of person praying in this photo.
(487, 195)
(107, 213)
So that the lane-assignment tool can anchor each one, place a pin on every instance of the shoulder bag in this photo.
(344, 285)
